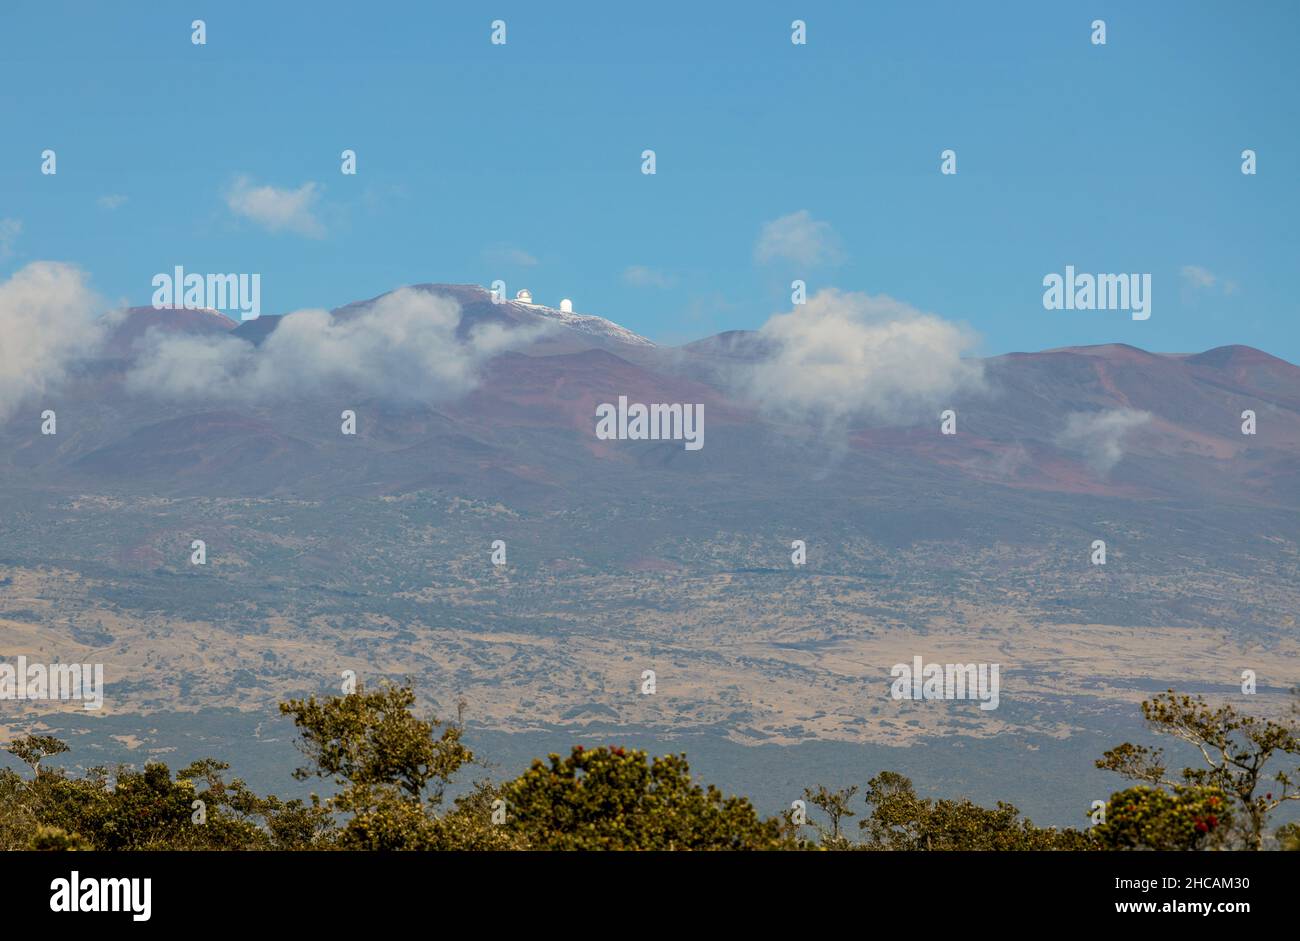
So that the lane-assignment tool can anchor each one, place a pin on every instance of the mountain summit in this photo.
(556, 330)
(500, 398)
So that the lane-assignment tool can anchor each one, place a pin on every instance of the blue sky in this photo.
(523, 161)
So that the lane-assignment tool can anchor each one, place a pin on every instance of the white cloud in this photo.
(275, 209)
(1099, 436)
(509, 256)
(642, 277)
(798, 238)
(1197, 277)
(403, 347)
(111, 201)
(10, 229)
(47, 323)
(845, 355)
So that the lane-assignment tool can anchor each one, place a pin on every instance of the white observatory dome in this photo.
(524, 297)
(566, 306)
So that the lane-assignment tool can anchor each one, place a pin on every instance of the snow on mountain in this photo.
(585, 323)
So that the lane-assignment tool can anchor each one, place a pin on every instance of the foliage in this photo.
(835, 804)
(900, 820)
(1235, 749)
(390, 770)
(369, 742)
(56, 839)
(613, 799)
(1148, 818)
(146, 809)
(32, 749)
(1288, 836)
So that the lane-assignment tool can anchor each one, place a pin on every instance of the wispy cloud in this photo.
(798, 238)
(111, 201)
(1198, 278)
(509, 256)
(1099, 436)
(10, 229)
(276, 209)
(642, 277)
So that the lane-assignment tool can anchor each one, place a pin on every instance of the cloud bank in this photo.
(47, 324)
(848, 355)
(402, 347)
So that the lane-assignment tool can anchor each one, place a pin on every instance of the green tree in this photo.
(56, 839)
(147, 810)
(389, 766)
(299, 825)
(33, 749)
(835, 804)
(470, 826)
(900, 820)
(1148, 818)
(1288, 836)
(612, 799)
(1236, 750)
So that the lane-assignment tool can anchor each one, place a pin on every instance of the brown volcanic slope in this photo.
(532, 416)
(127, 328)
(1192, 445)
(371, 552)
